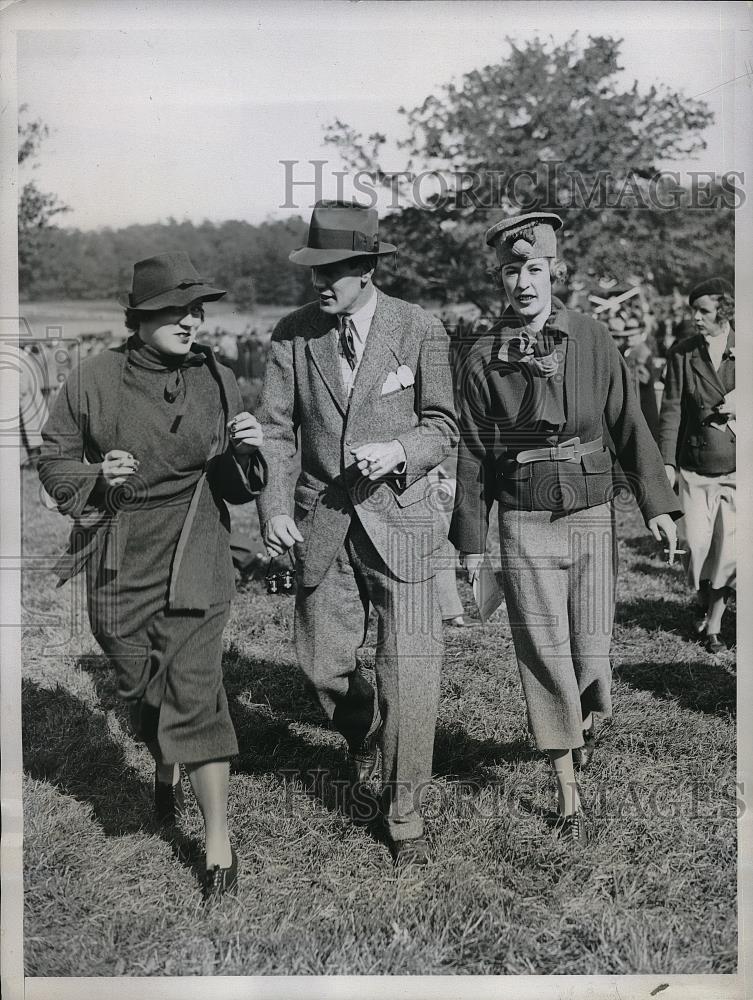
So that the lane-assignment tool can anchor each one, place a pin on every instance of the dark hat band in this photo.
(342, 239)
(153, 293)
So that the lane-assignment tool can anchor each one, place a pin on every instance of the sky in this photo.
(185, 110)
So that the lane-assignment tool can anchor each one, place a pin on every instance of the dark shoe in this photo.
(219, 882)
(169, 801)
(582, 756)
(414, 851)
(460, 621)
(699, 624)
(572, 829)
(364, 759)
(714, 643)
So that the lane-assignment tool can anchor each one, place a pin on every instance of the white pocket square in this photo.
(400, 379)
(391, 384)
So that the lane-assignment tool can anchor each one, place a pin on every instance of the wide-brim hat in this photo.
(168, 279)
(340, 230)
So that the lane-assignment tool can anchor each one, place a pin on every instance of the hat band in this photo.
(153, 293)
(342, 239)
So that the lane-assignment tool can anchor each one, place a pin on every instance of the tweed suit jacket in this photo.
(304, 405)
(599, 401)
(692, 389)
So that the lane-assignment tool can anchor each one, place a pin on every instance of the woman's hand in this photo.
(663, 525)
(246, 435)
(117, 466)
(471, 563)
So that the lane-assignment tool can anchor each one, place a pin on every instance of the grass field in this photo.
(107, 894)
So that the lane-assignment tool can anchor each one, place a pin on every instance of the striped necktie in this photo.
(346, 341)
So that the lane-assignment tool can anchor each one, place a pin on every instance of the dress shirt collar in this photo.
(361, 319)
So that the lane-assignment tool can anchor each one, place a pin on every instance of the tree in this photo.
(546, 128)
(36, 208)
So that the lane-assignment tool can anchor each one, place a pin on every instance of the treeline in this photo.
(251, 261)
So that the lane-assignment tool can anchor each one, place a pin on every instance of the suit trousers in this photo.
(331, 620)
(559, 573)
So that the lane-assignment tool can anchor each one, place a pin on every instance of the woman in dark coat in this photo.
(538, 395)
(143, 447)
(698, 444)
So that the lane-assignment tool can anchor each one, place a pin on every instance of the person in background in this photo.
(632, 341)
(698, 444)
(143, 447)
(537, 393)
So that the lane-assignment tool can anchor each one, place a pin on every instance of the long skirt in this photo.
(707, 530)
(559, 573)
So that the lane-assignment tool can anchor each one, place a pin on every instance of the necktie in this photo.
(346, 340)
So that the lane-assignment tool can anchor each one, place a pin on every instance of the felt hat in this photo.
(340, 230)
(524, 237)
(168, 279)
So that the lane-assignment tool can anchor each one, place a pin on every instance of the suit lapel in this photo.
(701, 364)
(323, 351)
(381, 353)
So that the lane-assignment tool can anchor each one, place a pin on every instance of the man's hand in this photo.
(471, 562)
(671, 474)
(663, 525)
(245, 433)
(117, 466)
(379, 459)
(281, 534)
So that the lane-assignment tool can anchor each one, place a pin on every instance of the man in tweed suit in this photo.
(362, 382)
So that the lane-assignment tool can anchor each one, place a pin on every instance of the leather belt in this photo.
(567, 451)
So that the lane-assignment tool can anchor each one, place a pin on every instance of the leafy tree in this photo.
(36, 208)
(549, 127)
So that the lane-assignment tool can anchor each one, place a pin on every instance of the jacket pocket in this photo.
(597, 461)
(420, 490)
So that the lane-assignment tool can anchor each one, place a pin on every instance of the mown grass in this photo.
(107, 893)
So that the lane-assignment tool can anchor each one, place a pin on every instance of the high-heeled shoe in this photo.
(219, 881)
(571, 829)
(169, 801)
(582, 756)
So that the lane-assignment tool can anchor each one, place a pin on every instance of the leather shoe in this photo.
(572, 829)
(219, 881)
(582, 756)
(414, 851)
(169, 801)
(364, 759)
(714, 643)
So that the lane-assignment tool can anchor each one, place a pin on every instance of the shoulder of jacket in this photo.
(293, 323)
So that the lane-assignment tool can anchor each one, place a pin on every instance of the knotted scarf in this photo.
(142, 355)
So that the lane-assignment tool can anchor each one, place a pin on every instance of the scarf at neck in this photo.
(142, 355)
(520, 345)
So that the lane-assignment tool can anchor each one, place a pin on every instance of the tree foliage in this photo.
(250, 261)
(550, 127)
(36, 209)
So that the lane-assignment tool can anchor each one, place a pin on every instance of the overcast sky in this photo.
(185, 110)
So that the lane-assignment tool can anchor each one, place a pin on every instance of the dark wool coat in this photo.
(693, 388)
(82, 429)
(496, 423)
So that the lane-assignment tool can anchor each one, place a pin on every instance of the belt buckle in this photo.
(566, 450)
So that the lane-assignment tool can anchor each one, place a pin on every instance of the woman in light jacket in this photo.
(144, 445)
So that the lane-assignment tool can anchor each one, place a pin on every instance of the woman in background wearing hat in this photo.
(698, 446)
(143, 447)
(535, 395)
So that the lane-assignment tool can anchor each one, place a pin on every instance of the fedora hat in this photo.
(168, 279)
(340, 230)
